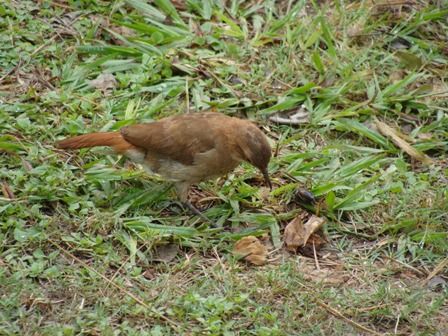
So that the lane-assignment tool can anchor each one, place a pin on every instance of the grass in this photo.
(84, 235)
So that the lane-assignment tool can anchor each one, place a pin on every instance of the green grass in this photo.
(82, 232)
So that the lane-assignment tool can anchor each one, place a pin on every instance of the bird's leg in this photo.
(182, 192)
(196, 212)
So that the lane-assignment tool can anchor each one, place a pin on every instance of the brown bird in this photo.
(186, 149)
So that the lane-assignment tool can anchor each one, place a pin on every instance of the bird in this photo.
(186, 149)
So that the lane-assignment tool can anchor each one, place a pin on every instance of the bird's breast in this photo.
(206, 165)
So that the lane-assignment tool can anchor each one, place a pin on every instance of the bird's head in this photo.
(256, 150)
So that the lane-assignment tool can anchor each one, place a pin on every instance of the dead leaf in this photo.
(123, 31)
(439, 88)
(314, 243)
(26, 165)
(297, 234)
(149, 274)
(251, 249)
(326, 276)
(356, 28)
(439, 268)
(424, 136)
(292, 235)
(389, 132)
(179, 5)
(165, 253)
(104, 82)
(436, 283)
(292, 117)
(396, 76)
(7, 192)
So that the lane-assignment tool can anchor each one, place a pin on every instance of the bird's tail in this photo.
(111, 139)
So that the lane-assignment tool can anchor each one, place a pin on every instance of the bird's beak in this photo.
(267, 180)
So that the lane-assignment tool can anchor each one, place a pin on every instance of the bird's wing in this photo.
(179, 138)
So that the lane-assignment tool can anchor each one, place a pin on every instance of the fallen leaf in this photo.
(293, 232)
(149, 274)
(165, 253)
(439, 88)
(315, 243)
(389, 132)
(7, 192)
(104, 82)
(324, 275)
(251, 249)
(439, 268)
(424, 136)
(356, 28)
(292, 117)
(297, 234)
(396, 76)
(26, 165)
(179, 5)
(436, 283)
(123, 31)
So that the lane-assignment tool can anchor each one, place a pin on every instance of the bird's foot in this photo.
(198, 213)
(187, 206)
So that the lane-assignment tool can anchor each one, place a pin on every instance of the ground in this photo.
(92, 245)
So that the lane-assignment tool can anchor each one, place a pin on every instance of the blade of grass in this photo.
(146, 9)
(358, 128)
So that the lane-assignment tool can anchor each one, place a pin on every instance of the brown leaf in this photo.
(356, 28)
(324, 275)
(179, 5)
(424, 136)
(293, 233)
(297, 234)
(104, 82)
(292, 117)
(251, 249)
(149, 274)
(437, 283)
(123, 31)
(315, 242)
(389, 132)
(396, 76)
(7, 191)
(26, 165)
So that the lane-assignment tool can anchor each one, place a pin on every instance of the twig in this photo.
(337, 313)
(391, 133)
(46, 44)
(187, 95)
(436, 270)
(215, 252)
(316, 261)
(125, 291)
(14, 68)
(412, 268)
(57, 4)
(120, 268)
(396, 324)
(206, 71)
